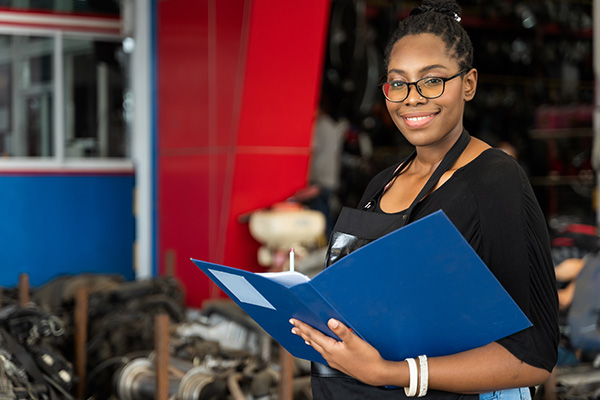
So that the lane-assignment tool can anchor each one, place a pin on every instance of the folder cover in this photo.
(421, 289)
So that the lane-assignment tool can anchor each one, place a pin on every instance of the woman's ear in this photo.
(470, 84)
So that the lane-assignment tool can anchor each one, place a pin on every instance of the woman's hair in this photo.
(441, 18)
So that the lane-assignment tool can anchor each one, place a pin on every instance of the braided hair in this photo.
(441, 18)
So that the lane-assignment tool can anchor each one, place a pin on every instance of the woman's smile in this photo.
(416, 120)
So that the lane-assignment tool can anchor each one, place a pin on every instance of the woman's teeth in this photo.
(415, 119)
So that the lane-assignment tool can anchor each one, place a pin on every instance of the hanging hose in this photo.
(233, 383)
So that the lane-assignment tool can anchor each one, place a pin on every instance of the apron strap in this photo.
(449, 159)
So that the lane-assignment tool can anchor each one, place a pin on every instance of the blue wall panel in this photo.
(55, 225)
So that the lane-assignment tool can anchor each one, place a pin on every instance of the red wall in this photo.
(237, 89)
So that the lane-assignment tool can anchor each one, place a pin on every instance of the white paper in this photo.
(242, 289)
(287, 278)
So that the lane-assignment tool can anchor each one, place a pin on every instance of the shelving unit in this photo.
(536, 91)
(570, 178)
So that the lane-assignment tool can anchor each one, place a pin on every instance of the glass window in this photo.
(26, 96)
(94, 97)
(102, 7)
(90, 113)
(5, 107)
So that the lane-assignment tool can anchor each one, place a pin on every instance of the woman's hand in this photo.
(351, 355)
(479, 370)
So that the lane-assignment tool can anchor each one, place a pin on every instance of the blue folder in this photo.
(421, 289)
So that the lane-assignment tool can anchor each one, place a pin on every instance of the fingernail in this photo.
(307, 342)
(292, 321)
(333, 323)
(294, 332)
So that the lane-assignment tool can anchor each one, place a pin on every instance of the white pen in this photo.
(292, 259)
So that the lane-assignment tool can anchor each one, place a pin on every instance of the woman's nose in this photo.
(414, 97)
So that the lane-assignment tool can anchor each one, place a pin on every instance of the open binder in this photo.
(421, 289)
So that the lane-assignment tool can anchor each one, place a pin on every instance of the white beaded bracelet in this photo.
(423, 375)
(411, 391)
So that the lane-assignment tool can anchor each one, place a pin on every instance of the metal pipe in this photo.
(596, 58)
(137, 381)
(233, 384)
(193, 384)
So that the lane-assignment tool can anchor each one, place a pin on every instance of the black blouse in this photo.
(493, 205)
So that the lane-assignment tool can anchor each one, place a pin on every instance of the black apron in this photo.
(355, 228)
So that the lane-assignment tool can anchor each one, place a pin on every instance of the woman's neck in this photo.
(429, 157)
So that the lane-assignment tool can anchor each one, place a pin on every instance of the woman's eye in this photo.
(432, 81)
(397, 85)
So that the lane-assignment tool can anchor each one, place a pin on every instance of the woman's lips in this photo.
(418, 120)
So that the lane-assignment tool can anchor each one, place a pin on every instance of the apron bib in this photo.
(355, 227)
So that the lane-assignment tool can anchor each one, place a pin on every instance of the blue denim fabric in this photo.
(507, 394)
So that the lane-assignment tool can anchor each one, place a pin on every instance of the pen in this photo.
(292, 259)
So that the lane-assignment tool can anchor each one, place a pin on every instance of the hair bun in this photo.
(448, 8)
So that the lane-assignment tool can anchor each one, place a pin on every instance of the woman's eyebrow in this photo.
(424, 69)
(430, 67)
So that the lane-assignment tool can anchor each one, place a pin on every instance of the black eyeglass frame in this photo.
(415, 84)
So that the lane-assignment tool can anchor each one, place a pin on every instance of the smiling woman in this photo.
(485, 194)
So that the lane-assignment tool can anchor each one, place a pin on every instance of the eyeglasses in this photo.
(430, 87)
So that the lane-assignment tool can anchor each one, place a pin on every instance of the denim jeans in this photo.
(507, 394)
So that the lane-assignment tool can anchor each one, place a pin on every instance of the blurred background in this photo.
(135, 135)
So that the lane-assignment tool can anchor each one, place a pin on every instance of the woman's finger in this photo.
(341, 330)
(311, 335)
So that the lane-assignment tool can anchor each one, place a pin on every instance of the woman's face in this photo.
(426, 122)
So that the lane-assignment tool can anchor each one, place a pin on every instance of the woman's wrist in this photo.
(393, 373)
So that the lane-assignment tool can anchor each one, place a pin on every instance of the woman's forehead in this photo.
(417, 52)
